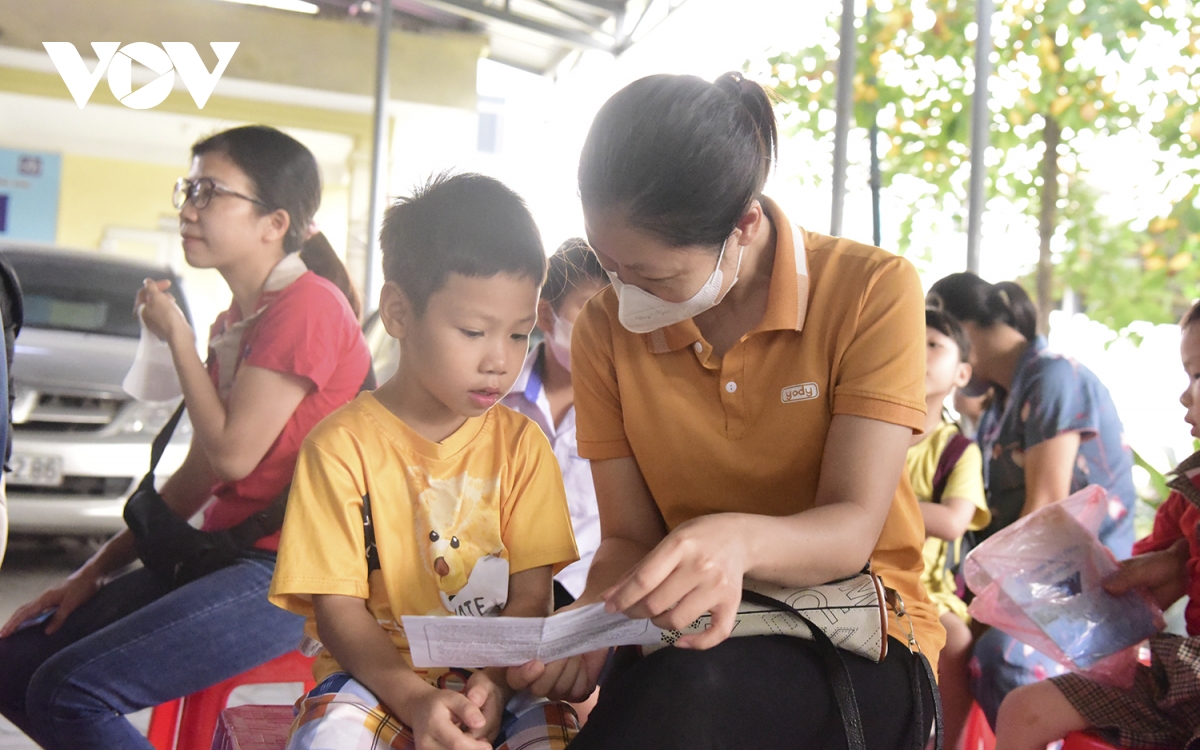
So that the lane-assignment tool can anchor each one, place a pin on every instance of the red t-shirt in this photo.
(1177, 518)
(308, 329)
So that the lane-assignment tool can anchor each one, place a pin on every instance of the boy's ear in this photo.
(963, 375)
(545, 316)
(395, 310)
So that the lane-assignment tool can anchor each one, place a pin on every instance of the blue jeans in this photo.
(1002, 664)
(137, 644)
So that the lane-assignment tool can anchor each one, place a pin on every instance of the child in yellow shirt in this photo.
(427, 498)
(946, 472)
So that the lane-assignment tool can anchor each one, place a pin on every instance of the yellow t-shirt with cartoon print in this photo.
(452, 520)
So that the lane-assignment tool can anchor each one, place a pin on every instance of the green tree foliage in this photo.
(1065, 73)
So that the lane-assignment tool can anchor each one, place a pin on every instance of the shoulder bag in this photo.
(173, 549)
(846, 615)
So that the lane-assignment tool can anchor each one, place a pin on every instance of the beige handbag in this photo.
(850, 612)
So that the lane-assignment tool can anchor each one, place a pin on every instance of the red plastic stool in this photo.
(1085, 741)
(977, 734)
(189, 722)
(253, 728)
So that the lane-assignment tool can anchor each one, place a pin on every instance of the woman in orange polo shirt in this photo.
(746, 392)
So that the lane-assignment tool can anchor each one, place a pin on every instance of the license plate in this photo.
(44, 471)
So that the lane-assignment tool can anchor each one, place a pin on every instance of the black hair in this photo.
(283, 170)
(969, 298)
(466, 223)
(572, 264)
(681, 157)
(321, 259)
(1191, 316)
(945, 324)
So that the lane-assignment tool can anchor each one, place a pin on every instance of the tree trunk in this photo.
(1047, 218)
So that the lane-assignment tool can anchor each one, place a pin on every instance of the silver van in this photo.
(80, 443)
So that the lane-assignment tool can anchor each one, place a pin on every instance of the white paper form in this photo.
(508, 641)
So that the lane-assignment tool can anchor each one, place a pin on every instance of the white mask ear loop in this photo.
(736, 270)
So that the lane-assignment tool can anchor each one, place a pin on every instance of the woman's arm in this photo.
(234, 436)
(630, 527)
(1049, 466)
(630, 524)
(699, 567)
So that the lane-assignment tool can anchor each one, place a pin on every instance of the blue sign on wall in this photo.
(29, 182)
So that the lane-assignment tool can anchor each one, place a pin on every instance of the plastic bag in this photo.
(1040, 581)
(152, 376)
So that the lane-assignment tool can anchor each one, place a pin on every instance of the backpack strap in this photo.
(953, 451)
(370, 549)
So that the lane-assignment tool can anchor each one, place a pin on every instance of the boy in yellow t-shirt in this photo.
(946, 472)
(421, 498)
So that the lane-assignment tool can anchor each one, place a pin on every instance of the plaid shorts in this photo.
(1162, 709)
(342, 714)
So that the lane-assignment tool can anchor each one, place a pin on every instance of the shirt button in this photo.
(698, 347)
(731, 386)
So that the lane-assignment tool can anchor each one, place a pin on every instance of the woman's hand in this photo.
(696, 569)
(1162, 574)
(62, 600)
(572, 679)
(161, 314)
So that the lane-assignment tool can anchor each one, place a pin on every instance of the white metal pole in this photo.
(373, 281)
(980, 120)
(845, 112)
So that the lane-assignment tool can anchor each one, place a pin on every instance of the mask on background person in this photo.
(641, 312)
(559, 341)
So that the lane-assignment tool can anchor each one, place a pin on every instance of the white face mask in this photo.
(642, 312)
(559, 342)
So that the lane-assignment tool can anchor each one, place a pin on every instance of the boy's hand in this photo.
(446, 720)
(1162, 574)
(490, 694)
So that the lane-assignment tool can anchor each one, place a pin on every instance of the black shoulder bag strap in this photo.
(843, 687)
(159, 446)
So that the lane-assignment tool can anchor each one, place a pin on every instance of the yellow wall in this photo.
(97, 193)
(275, 46)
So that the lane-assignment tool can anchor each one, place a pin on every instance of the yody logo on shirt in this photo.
(166, 60)
(801, 392)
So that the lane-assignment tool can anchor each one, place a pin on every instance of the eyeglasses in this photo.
(201, 191)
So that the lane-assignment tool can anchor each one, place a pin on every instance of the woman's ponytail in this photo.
(318, 255)
(757, 102)
(1012, 304)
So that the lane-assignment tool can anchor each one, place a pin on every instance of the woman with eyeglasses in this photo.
(287, 352)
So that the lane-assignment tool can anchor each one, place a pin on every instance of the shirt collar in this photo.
(281, 277)
(787, 296)
(529, 382)
(1032, 352)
